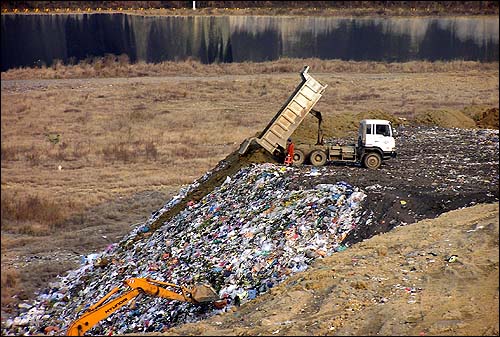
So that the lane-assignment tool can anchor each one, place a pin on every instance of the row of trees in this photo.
(472, 7)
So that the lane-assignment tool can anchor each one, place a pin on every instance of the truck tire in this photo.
(298, 157)
(318, 158)
(372, 160)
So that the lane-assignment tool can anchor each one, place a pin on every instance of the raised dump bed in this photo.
(273, 138)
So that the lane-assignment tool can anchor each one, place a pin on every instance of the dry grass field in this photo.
(90, 150)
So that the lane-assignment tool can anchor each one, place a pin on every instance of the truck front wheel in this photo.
(372, 160)
(298, 157)
(318, 158)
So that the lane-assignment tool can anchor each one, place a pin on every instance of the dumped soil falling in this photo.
(226, 167)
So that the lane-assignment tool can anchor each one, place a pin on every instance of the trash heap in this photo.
(246, 236)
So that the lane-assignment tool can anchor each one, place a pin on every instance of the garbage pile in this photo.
(458, 159)
(246, 236)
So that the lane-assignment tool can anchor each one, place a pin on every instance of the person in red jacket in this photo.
(290, 148)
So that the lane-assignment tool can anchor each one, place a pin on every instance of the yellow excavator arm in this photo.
(104, 308)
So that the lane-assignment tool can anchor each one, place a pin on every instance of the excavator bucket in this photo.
(204, 293)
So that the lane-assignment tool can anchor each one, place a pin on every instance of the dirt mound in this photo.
(487, 119)
(445, 119)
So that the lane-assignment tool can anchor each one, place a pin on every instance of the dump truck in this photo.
(198, 294)
(273, 138)
(375, 136)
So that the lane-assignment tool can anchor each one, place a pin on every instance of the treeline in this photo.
(453, 7)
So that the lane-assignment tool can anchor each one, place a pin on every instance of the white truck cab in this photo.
(377, 134)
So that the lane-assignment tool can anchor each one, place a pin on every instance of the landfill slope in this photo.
(250, 224)
(249, 232)
(436, 277)
(244, 238)
(437, 170)
(307, 132)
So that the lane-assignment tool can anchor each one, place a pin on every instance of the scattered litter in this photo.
(248, 235)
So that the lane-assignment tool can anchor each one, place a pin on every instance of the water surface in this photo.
(35, 39)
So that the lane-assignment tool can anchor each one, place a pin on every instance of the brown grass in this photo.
(31, 214)
(122, 141)
(119, 66)
(10, 286)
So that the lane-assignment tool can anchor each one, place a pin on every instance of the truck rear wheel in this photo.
(298, 157)
(372, 160)
(318, 158)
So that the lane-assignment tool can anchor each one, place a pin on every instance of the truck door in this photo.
(379, 135)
